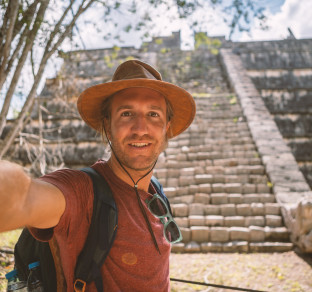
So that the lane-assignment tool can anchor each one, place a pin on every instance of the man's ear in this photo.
(167, 126)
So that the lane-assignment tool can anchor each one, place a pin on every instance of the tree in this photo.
(31, 31)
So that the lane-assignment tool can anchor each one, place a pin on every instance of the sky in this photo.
(281, 15)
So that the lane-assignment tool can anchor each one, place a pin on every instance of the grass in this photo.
(7, 240)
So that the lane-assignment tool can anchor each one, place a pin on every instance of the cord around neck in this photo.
(135, 186)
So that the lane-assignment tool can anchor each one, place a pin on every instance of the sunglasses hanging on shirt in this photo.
(159, 209)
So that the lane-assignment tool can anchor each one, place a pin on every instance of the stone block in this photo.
(203, 178)
(228, 209)
(192, 247)
(200, 233)
(177, 247)
(270, 247)
(173, 172)
(189, 199)
(197, 220)
(263, 188)
(233, 188)
(180, 210)
(218, 178)
(202, 198)
(170, 192)
(186, 181)
(243, 210)
(218, 188)
(232, 179)
(172, 182)
(196, 209)
(272, 209)
(161, 173)
(257, 233)
(251, 198)
(204, 188)
(239, 233)
(235, 198)
(219, 234)
(234, 221)
(182, 191)
(256, 169)
(193, 189)
(211, 247)
(276, 233)
(199, 169)
(215, 170)
(162, 181)
(218, 199)
(267, 198)
(274, 220)
(214, 220)
(254, 220)
(236, 246)
(248, 189)
(182, 221)
(212, 209)
(186, 234)
(257, 209)
(189, 171)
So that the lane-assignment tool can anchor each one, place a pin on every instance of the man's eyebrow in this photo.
(122, 107)
(152, 107)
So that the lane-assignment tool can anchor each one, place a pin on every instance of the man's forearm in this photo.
(14, 186)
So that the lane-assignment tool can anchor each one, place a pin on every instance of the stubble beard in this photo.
(132, 163)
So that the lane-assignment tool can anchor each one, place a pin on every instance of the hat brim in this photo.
(90, 102)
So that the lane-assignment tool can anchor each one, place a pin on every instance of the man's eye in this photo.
(154, 114)
(126, 114)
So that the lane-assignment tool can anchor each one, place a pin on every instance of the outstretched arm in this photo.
(25, 201)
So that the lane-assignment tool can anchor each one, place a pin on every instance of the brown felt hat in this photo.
(134, 73)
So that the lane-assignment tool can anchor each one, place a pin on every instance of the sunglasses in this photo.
(159, 209)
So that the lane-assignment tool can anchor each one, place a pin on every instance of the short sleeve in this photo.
(77, 189)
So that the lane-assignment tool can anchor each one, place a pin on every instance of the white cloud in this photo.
(293, 14)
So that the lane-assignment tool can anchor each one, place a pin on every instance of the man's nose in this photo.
(140, 125)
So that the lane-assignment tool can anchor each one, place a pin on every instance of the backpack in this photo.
(101, 235)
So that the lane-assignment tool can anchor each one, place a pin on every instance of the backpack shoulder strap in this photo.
(101, 234)
(157, 185)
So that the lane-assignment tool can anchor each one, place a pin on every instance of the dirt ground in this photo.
(258, 271)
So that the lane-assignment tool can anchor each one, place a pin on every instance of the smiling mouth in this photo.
(139, 145)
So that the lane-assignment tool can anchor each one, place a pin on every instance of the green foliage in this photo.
(212, 44)
(165, 50)
(158, 41)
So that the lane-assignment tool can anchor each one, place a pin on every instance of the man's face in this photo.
(138, 127)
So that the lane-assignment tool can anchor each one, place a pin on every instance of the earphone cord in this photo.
(135, 186)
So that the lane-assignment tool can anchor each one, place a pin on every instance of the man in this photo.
(137, 112)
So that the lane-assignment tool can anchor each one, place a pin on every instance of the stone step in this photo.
(253, 233)
(187, 185)
(188, 205)
(232, 246)
(230, 221)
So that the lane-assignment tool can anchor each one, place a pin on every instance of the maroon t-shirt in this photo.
(133, 263)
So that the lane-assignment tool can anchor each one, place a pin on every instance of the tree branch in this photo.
(19, 67)
(5, 49)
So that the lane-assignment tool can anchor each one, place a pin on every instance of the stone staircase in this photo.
(232, 181)
(216, 183)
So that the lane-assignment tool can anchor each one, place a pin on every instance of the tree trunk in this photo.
(19, 122)
(21, 62)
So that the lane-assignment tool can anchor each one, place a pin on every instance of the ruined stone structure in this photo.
(237, 178)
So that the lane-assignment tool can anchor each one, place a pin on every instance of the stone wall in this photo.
(282, 72)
